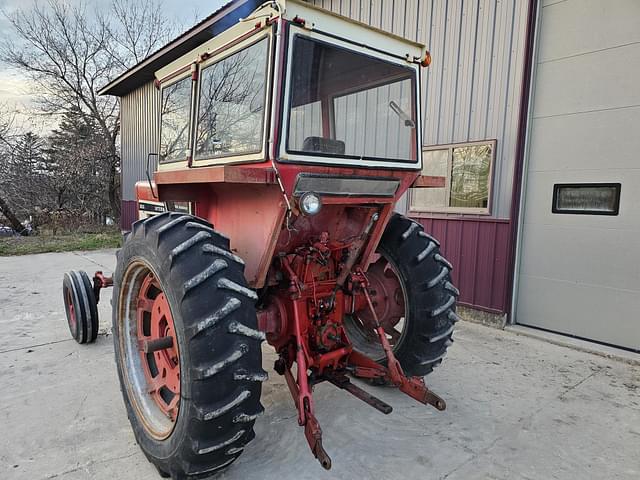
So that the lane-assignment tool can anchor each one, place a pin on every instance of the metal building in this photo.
(528, 108)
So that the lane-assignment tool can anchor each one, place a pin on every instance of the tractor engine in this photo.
(315, 267)
(308, 294)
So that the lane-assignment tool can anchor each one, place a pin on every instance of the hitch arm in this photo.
(301, 393)
(312, 430)
(415, 386)
(341, 381)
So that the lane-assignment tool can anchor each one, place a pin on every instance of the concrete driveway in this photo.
(518, 407)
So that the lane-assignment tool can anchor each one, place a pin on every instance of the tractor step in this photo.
(340, 380)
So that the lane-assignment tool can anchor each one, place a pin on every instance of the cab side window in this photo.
(231, 104)
(174, 125)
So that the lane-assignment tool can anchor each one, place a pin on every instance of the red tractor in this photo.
(286, 142)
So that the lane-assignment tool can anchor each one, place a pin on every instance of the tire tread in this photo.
(432, 296)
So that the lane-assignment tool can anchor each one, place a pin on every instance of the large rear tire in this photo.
(192, 404)
(414, 298)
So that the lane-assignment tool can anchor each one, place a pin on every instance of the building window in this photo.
(466, 173)
(231, 104)
(586, 198)
(174, 127)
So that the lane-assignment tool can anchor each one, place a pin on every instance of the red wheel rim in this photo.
(387, 297)
(390, 303)
(71, 318)
(161, 367)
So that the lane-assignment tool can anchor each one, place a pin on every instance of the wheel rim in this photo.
(389, 297)
(71, 317)
(151, 363)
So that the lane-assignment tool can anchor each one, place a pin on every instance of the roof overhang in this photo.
(222, 19)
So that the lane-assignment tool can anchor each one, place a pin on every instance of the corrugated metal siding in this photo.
(140, 126)
(387, 137)
(305, 121)
(472, 89)
(383, 133)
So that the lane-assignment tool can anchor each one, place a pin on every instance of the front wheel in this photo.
(414, 299)
(81, 307)
(187, 345)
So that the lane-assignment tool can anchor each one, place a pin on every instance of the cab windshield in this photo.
(350, 105)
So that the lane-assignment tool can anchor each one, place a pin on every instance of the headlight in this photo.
(310, 203)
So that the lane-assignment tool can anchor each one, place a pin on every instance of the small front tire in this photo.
(81, 308)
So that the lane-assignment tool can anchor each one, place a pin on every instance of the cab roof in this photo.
(218, 22)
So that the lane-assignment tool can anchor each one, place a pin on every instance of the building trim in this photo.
(522, 150)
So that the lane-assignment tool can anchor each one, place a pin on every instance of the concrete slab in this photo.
(578, 344)
(518, 407)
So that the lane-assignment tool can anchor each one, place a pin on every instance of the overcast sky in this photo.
(15, 92)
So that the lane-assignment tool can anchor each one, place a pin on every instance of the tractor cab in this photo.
(294, 84)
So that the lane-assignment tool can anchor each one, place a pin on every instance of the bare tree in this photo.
(231, 99)
(6, 123)
(69, 53)
(139, 28)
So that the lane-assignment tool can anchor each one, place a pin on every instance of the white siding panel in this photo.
(483, 69)
(450, 72)
(399, 16)
(588, 82)
(507, 131)
(433, 74)
(596, 138)
(601, 306)
(466, 67)
(472, 89)
(387, 15)
(365, 11)
(576, 27)
(608, 271)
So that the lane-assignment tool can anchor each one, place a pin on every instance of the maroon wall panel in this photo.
(479, 251)
(128, 214)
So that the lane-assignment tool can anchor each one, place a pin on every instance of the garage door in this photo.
(579, 268)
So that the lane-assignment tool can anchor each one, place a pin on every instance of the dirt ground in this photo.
(518, 407)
